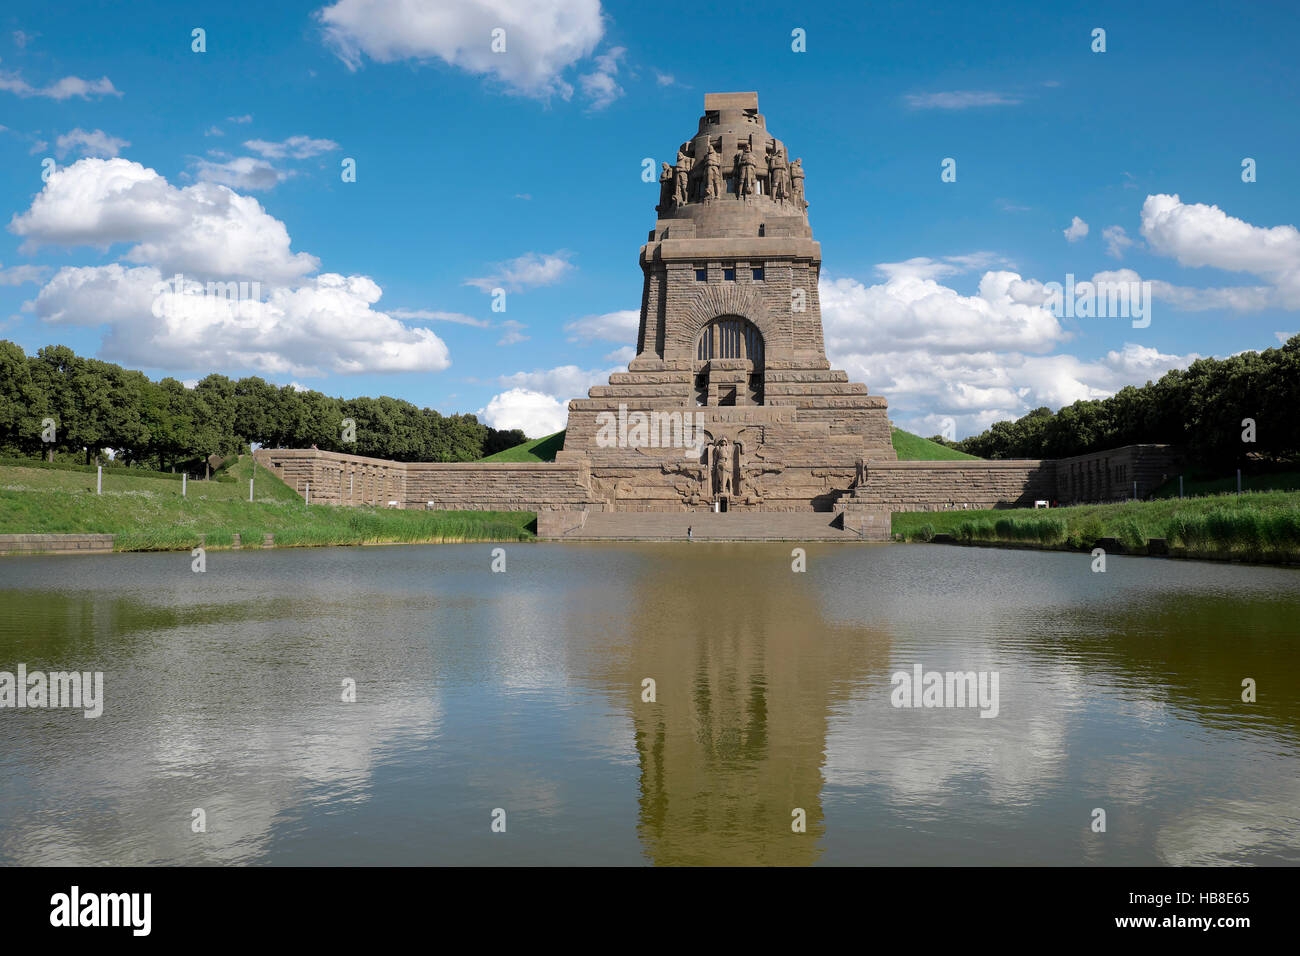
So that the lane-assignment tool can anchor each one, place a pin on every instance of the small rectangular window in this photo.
(701, 275)
(729, 275)
(758, 274)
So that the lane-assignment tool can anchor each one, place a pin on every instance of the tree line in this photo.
(1204, 408)
(59, 402)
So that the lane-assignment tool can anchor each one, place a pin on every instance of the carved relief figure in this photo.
(738, 481)
(778, 175)
(721, 451)
(796, 183)
(746, 172)
(684, 164)
(712, 174)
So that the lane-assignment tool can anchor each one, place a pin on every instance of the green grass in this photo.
(221, 473)
(1197, 484)
(911, 447)
(1265, 523)
(87, 469)
(539, 449)
(149, 515)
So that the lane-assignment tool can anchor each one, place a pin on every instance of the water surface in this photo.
(523, 691)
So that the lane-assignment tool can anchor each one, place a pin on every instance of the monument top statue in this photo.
(733, 179)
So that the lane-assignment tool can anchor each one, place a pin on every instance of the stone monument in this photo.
(730, 403)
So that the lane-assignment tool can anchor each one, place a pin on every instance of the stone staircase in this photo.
(709, 526)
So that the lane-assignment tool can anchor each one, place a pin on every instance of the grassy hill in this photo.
(539, 449)
(146, 514)
(911, 447)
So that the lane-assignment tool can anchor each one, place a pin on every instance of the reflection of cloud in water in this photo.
(1225, 832)
(276, 764)
(930, 755)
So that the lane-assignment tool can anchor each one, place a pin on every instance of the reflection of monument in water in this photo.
(746, 680)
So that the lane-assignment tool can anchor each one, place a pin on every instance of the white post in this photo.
(350, 484)
(185, 476)
(99, 480)
(250, 489)
(309, 492)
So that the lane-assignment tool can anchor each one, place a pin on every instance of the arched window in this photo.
(730, 337)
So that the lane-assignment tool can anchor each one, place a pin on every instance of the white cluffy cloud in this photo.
(538, 401)
(20, 275)
(289, 323)
(1198, 235)
(1117, 240)
(535, 413)
(434, 315)
(527, 271)
(513, 333)
(63, 89)
(243, 173)
(295, 147)
(92, 143)
(959, 100)
(600, 85)
(204, 229)
(541, 39)
(976, 359)
(620, 326)
(1076, 230)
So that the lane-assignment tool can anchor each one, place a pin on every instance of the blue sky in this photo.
(478, 170)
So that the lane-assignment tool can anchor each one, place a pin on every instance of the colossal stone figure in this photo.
(684, 163)
(796, 183)
(712, 174)
(778, 175)
(666, 178)
(722, 468)
(746, 172)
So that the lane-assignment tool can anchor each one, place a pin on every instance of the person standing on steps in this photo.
(688, 534)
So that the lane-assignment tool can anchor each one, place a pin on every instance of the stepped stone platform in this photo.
(708, 526)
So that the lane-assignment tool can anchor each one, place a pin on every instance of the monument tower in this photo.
(730, 345)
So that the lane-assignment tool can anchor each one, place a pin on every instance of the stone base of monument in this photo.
(703, 526)
(867, 524)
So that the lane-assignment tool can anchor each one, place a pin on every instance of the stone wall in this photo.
(1110, 475)
(339, 479)
(954, 485)
(965, 484)
(56, 543)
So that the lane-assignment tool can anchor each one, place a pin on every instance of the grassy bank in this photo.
(1197, 483)
(539, 449)
(1258, 526)
(911, 447)
(145, 514)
